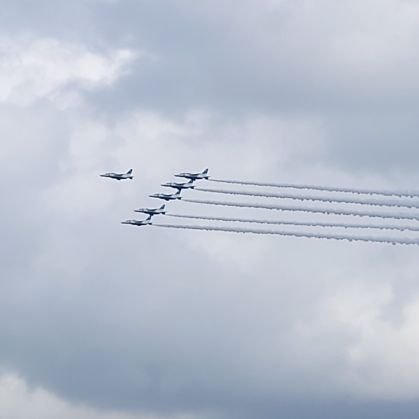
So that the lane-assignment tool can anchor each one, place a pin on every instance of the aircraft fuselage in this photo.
(194, 176)
(137, 222)
(166, 197)
(118, 176)
(151, 211)
(178, 185)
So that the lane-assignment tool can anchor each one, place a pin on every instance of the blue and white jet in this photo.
(167, 197)
(179, 185)
(138, 223)
(152, 211)
(119, 176)
(194, 176)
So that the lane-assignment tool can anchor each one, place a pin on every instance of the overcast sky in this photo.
(104, 321)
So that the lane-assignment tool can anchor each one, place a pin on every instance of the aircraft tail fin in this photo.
(205, 172)
(129, 172)
(163, 206)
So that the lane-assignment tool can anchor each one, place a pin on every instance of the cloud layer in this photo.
(108, 321)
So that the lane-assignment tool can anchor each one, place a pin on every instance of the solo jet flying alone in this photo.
(119, 176)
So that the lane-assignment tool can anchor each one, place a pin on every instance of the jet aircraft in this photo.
(138, 222)
(194, 176)
(180, 186)
(167, 197)
(119, 176)
(152, 211)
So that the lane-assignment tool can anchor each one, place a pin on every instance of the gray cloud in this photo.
(208, 324)
(353, 67)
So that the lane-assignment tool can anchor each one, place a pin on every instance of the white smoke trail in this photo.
(371, 214)
(297, 223)
(358, 201)
(401, 194)
(350, 238)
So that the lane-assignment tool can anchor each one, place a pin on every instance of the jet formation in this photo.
(193, 177)
(179, 186)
